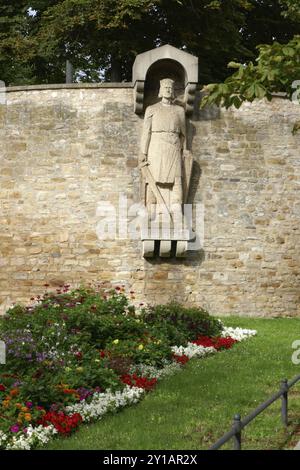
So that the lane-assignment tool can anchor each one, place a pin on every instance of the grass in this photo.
(194, 407)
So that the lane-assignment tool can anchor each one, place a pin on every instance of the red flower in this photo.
(181, 359)
(2, 388)
(63, 423)
(217, 342)
(141, 382)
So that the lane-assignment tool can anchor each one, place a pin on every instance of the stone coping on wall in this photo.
(63, 86)
(77, 86)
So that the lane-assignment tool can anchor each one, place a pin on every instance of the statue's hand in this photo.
(186, 154)
(143, 160)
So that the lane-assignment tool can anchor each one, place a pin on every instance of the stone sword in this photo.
(144, 167)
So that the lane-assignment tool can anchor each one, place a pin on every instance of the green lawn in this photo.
(194, 407)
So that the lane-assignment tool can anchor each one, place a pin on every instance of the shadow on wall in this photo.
(168, 280)
(209, 113)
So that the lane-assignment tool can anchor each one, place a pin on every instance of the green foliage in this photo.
(277, 70)
(89, 338)
(292, 9)
(102, 37)
(181, 323)
(193, 409)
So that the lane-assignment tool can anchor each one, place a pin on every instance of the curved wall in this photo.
(64, 149)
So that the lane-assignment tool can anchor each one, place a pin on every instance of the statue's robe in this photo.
(162, 141)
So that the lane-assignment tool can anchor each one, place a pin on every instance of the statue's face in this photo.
(167, 90)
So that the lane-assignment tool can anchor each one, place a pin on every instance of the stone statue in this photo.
(162, 149)
(166, 166)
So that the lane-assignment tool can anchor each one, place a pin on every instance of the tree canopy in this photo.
(102, 37)
(276, 69)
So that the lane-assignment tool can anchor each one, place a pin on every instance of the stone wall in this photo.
(65, 149)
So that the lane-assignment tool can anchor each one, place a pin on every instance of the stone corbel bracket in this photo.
(167, 243)
(139, 97)
(189, 98)
(186, 62)
(165, 248)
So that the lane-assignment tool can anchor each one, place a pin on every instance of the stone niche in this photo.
(164, 62)
(164, 145)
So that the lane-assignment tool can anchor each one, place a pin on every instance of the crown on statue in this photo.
(167, 81)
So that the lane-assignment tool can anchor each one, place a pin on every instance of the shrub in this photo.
(180, 323)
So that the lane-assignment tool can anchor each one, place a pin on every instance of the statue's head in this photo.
(166, 89)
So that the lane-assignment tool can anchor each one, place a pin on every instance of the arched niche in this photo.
(164, 62)
(164, 68)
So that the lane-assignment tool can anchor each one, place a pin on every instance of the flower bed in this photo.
(73, 356)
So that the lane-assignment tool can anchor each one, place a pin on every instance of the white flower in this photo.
(3, 439)
(102, 403)
(39, 435)
(193, 350)
(239, 334)
(152, 372)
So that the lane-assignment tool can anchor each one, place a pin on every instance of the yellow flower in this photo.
(27, 416)
(140, 347)
(24, 409)
(115, 341)
(79, 369)
(5, 403)
(97, 360)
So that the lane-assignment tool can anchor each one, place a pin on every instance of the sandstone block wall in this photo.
(66, 149)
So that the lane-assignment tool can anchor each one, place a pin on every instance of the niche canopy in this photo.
(165, 61)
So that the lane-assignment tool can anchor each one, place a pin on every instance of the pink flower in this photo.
(15, 428)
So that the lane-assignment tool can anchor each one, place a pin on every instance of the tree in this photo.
(291, 9)
(277, 70)
(102, 37)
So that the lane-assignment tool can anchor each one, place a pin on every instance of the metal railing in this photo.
(239, 424)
